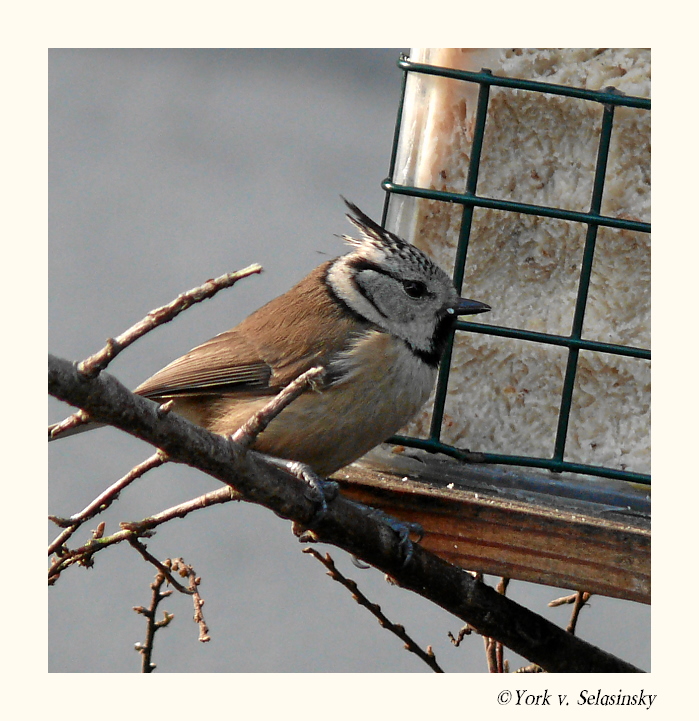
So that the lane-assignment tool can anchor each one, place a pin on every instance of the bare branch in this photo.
(581, 598)
(146, 648)
(494, 653)
(140, 547)
(246, 435)
(427, 656)
(91, 366)
(578, 599)
(503, 583)
(252, 428)
(79, 418)
(464, 631)
(165, 571)
(83, 555)
(345, 523)
(103, 501)
(490, 645)
(563, 600)
(184, 569)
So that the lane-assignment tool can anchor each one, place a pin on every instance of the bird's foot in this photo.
(402, 529)
(320, 490)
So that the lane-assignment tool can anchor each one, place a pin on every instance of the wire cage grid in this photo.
(574, 342)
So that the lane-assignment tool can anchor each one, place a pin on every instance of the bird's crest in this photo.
(371, 231)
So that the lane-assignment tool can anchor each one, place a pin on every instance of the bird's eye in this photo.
(415, 288)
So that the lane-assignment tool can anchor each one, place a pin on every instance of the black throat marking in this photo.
(440, 337)
(442, 331)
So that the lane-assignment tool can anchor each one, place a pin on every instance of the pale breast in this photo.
(382, 386)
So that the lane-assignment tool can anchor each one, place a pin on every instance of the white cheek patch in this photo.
(340, 278)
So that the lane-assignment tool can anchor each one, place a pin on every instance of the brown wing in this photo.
(303, 328)
(226, 363)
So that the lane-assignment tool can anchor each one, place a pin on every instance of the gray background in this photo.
(168, 167)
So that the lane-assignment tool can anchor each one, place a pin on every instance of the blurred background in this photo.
(166, 168)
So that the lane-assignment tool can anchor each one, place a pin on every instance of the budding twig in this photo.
(103, 501)
(92, 366)
(581, 598)
(427, 656)
(494, 652)
(83, 555)
(259, 420)
(245, 436)
(78, 418)
(140, 547)
(146, 648)
(184, 569)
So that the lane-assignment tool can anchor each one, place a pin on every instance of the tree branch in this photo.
(152, 626)
(427, 656)
(346, 524)
(136, 529)
(91, 366)
(103, 501)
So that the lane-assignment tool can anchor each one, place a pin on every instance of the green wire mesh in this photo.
(469, 200)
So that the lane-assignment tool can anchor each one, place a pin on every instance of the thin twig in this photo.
(427, 656)
(165, 571)
(103, 501)
(140, 547)
(259, 420)
(563, 600)
(581, 598)
(83, 555)
(184, 569)
(74, 420)
(490, 645)
(91, 366)
(494, 653)
(146, 648)
(464, 631)
(503, 664)
(94, 364)
(503, 583)
(245, 435)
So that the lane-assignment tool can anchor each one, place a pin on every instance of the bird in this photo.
(376, 320)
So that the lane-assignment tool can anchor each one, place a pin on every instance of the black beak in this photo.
(470, 307)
